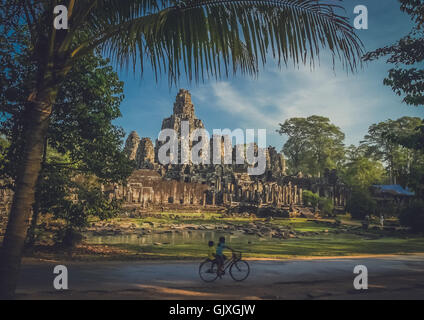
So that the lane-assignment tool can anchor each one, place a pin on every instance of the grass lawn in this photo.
(329, 242)
(331, 245)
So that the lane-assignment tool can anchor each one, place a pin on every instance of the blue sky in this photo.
(352, 102)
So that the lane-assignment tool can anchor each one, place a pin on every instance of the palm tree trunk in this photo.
(30, 240)
(37, 121)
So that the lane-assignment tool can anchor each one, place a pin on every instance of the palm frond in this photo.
(212, 38)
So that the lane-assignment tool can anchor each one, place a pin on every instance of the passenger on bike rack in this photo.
(211, 251)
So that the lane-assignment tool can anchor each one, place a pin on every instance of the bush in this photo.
(413, 216)
(326, 206)
(337, 221)
(68, 237)
(310, 198)
(92, 202)
(360, 204)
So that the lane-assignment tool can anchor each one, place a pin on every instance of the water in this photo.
(173, 238)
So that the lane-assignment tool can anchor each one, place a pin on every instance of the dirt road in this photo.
(390, 277)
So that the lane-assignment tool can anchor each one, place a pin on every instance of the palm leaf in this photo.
(201, 38)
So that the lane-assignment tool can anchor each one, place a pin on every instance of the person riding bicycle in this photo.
(220, 257)
(214, 266)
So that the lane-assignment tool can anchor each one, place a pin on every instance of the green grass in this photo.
(303, 225)
(331, 245)
(338, 245)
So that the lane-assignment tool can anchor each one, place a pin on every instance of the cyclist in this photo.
(220, 257)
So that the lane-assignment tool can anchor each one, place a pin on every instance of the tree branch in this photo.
(9, 108)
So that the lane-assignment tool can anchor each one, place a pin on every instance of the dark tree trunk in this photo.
(37, 121)
(30, 240)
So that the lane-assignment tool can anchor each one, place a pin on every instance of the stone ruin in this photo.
(155, 185)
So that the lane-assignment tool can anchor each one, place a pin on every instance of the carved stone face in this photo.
(133, 138)
(183, 104)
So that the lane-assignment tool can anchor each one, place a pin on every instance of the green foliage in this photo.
(204, 38)
(83, 147)
(407, 77)
(360, 204)
(310, 198)
(4, 145)
(91, 202)
(13, 66)
(411, 140)
(314, 145)
(81, 125)
(195, 38)
(82, 120)
(361, 172)
(404, 165)
(326, 206)
(413, 216)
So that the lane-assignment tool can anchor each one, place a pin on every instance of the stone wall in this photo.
(147, 189)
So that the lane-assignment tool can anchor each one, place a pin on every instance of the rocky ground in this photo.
(257, 228)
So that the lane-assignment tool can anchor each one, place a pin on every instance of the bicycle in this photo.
(239, 269)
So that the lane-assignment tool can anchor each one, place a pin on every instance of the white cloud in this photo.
(352, 102)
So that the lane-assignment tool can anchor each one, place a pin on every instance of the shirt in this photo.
(211, 253)
(219, 248)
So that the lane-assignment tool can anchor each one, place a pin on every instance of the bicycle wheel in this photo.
(239, 270)
(208, 271)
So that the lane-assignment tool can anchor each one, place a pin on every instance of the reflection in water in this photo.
(173, 238)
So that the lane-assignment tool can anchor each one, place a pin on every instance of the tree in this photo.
(361, 173)
(314, 200)
(408, 51)
(314, 144)
(399, 160)
(197, 38)
(360, 204)
(413, 216)
(81, 143)
(296, 145)
(407, 77)
(73, 198)
(310, 198)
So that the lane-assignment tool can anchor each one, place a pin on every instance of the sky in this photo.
(352, 101)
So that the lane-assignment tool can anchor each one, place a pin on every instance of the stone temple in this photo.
(173, 186)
